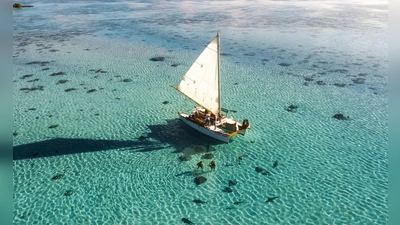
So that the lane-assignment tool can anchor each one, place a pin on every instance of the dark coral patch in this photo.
(339, 71)
(68, 192)
(227, 190)
(225, 54)
(98, 71)
(259, 169)
(62, 81)
(284, 64)
(232, 183)
(291, 108)
(359, 80)
(157, 59)
(33, 80)
(185, 157)
(57, 74)
(69, 89)
(40, 88)
(340, 116)
(308, 78)
(42, 63)
(207, 156)
(265, 173)
(57, 177)
(199, 180)
(339, 85)
(26, 76)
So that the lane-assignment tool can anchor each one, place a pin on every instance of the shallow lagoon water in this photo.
(115, 146)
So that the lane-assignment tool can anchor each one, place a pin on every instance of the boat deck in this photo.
(199, 119)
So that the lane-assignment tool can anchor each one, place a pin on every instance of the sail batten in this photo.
(201, 81)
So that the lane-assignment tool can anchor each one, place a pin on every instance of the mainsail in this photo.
(201, 81)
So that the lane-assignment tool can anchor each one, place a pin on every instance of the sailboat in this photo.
(201, 84)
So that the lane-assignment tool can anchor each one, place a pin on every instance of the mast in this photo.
(219, 81)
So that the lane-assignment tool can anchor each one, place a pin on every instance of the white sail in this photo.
(200, 82)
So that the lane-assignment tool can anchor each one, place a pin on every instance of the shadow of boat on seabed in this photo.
(65, 146)
(171, 134)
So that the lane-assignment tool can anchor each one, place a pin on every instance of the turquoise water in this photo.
(107, 150)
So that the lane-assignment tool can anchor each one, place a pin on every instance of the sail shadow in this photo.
(66, 146)
(178, 135)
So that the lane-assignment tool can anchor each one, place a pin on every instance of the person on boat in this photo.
(196, 111)
(212, 165)
(215, 122)
(200, 165)
(207, 118)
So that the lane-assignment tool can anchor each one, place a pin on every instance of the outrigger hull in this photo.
(218, 134)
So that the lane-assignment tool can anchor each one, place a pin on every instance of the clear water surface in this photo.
(96, 134)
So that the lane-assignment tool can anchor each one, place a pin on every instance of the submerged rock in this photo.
(207, 156)
(200, 179)
(340, 116)
(156, 59)
(185, 157)
(275, 164)
(69, 89)
(227, 190)
(62, 81)
(259, 169)
(271, 199)
(26, 76)
(265, 173)
(291, 108)
(359, 80)
(42, 63)
(339, 85)
(284, 64)
(33, 80)
(57, 177)
(198, 201)
(187, 221)
(262, 171)
(69, 192)
(232, 183)
(40, 88)
(57, 74)
(238, 202)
